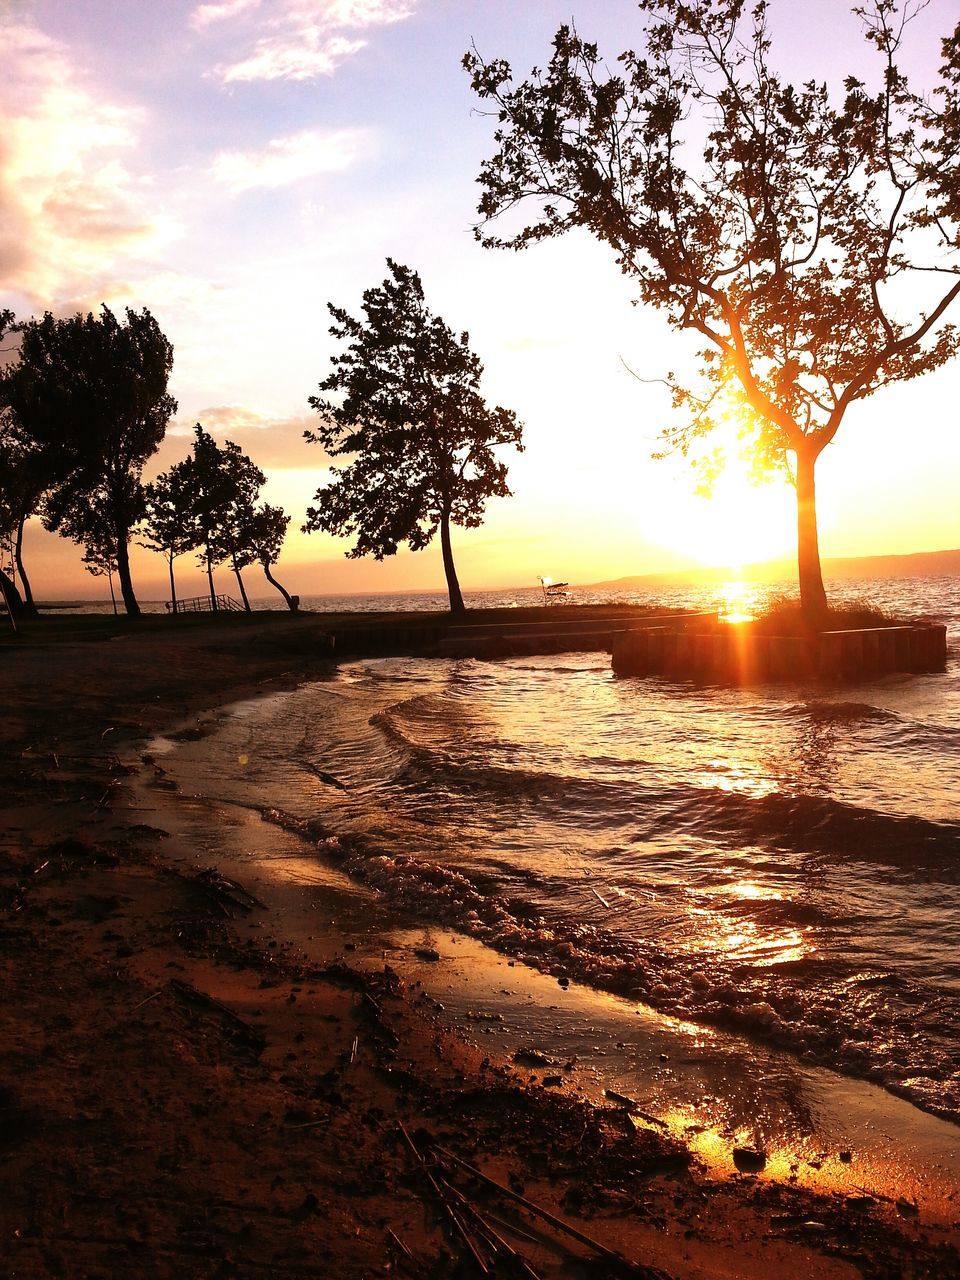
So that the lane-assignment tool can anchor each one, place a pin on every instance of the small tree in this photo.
(221, 486)
(203, 484)
(169, 527)
(101, 565)
(412, 418)
(264, 536)
(90, 524)
(780, 224)
(240, 481)
(91, 391)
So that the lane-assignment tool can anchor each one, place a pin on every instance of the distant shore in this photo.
(187, 1093)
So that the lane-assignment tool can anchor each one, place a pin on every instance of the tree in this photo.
(237, 483)
(203, 484)
(92, 392)
(412, 418)
(789, 228)
(222, 486)
(11, 528)
(21, 488)
(101, 565)
(264, 538)
(169, 527)
(89, 522)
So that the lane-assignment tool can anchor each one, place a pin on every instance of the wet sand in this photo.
(146, 1130)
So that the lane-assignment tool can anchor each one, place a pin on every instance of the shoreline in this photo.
(102, 1034)
(802, 1113)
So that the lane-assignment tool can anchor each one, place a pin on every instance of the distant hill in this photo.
(918, 564)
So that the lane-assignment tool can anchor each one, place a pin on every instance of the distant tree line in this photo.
(83, 406)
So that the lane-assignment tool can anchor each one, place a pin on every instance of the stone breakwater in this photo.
(737, 653)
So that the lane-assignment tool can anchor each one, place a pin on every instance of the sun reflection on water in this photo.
(748, 941)
(738, 602)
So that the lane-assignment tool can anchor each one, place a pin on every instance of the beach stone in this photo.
(749, 1160)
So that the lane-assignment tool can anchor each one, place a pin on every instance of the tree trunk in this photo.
(123, 573)
(243, 594)
(113, 598)
(453, 586)
(213, 594)
(283, 590)
(173, 585)
(12, 599)
(29, 605)
(813, 598)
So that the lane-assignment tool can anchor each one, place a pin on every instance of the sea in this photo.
(779, 861)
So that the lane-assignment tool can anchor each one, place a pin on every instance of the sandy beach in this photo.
(203, 1078)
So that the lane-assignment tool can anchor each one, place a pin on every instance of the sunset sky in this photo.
(235, 165)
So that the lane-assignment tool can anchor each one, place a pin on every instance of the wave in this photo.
(877, 1025)
(801, 822)
(841, 713)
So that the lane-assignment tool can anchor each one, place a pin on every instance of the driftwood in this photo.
(621, 1265)
(453, 1217)
(227, 894)
(398, 1244)
(495, 1242)
(630, 1105)
(146, 1000)
(245, 1030)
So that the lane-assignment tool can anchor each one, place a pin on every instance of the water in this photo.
(783, 861)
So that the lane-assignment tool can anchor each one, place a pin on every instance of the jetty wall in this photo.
(738, 654)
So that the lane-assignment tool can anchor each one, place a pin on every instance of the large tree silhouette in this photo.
(409, 413)
(17, 497)
(22, 482)
(792, 229)
(91, 392)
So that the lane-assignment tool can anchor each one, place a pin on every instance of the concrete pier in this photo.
(738, 654)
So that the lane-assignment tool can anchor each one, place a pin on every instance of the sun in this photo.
(738, 520)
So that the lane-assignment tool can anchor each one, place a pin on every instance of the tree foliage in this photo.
(22, 483)
(261, 541)
(790, 227)
(90, 392)
(403, 402)
(169, 523)
(210, 500)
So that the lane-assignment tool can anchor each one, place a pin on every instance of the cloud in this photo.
(207, 14)
(273, 443)
(302, 39)
(71, 210)
(291, 159)
(310, 55)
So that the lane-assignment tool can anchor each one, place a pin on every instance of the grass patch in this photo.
(782, 616)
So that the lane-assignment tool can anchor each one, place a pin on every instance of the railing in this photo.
(204, 604)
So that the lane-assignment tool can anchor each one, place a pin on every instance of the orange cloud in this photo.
(272, 442)
(71, 211)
